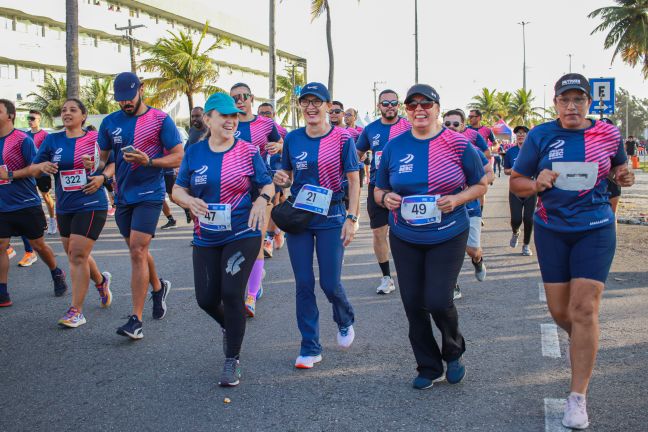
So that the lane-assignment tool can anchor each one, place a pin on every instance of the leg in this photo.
(49, 203)
(528, 208)
(380, 245)
(254, 284)
(207, 276)
(4, 260)
(44, 252)
(78, 250)
(558, 303)
(138, 245)
(515, 205)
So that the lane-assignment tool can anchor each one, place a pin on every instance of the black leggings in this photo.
(220, 276)
(427, 275)
(522, 209)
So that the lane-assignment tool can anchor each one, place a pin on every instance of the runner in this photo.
(198, 127)
(475, 119)
(455, 120)
(613, 188)
(263, 133)
(81, 203)
(315, 159)
(138, 135)
(425, 178)
(374, 137)
(20, 206)
(575, 235)
(350, 116)
(522, 208)
(169, 181)
(215, 181)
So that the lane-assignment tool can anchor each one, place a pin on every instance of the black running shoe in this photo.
(159, 299)
(231, 373)
(60, 286)
(5, 301)
(171, 223)
(132, 328)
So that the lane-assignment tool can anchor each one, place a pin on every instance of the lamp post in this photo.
(375, 89)
(570, 61)
(523, 24)
(416, 45)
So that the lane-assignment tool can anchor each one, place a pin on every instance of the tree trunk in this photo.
(329, 43)
(72, 47)
(190, 100)
(273, 54)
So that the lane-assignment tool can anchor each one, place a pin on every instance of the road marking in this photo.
(550, 342)
(554, 409)
(542, 293)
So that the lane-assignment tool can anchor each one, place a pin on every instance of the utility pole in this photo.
(273, 54)
(293, 108)
(570, 61)
(523, 24)
(416, 44)
(544, 102)
(375, 89)
(131, 41)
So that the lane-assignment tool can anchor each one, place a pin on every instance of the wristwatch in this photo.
(105, 178)
(266, 197)
(10, 176)
(149, 163)
(352, 217)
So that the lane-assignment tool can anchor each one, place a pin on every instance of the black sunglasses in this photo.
(242, 97)
(449, 123)
(336, 111)
(425, 104)
(31, 118)
(387, 103)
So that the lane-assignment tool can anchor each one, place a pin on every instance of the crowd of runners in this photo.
(249, 187)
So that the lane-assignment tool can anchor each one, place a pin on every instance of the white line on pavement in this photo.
(541, 292)
(550, 343)
(553, 409)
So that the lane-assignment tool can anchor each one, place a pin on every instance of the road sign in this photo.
(602, 92)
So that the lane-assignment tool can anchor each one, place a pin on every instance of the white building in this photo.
(33, 42)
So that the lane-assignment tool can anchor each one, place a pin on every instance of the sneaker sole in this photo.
(27, 264)
(170, 227)
(232, 384)
(6, 304)
(387, 291)
(139, 336)
(305, 366)
(577, 427)
(71, 325)
(108, 277)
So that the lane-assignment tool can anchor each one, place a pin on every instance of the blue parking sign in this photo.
(602, 92)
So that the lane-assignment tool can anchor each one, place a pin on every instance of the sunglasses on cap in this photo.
(31, 118)
(449, 123)
(425, 104)
(387, 103)
(242, 97)
(336, 111)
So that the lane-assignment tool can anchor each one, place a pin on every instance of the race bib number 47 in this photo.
(314, 199)
(73, 180)
(217, 218)
(421, 209)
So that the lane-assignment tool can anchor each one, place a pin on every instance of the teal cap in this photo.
(223, 103)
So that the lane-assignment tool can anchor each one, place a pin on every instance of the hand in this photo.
(88, 162)
(392, 200)
(281, 179)
(94, 184)
(546, 180)
(273, 148)
(447, 203)
(198, 207)
(624, 177)
(257, 219)
(48, 167)
(139, 157)
(348, 232)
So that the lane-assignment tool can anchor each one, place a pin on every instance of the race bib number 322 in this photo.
(421, 209)
(73, 180)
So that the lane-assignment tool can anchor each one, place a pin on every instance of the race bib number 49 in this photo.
(73, 180)
(421, 209)
(217, 218)
(314, 199)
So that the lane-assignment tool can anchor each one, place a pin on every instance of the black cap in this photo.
(423, 90)
(572, 81)
(520, 127)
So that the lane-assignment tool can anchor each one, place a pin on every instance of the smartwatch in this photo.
(10, 176)
(150, 163)
(352, 217)
(105, 178)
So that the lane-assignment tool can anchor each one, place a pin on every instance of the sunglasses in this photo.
(473, 116)
(387, 103)
(336, 111)
(425, 104)
(316, 102)
(242, 97)
(265, 113)
(31, 118)
(449, 123)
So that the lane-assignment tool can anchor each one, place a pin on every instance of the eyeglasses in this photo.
(387, 103)
(578, 102)
(335, 111)
(305, 102)
(449, 123)
(425, 104)
(31, 118)
(471, 116)
(242, 97)
(265, 113)
(348, 115)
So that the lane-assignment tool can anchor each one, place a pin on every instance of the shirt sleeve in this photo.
(620, 157)
(382, 173)
(528, 158)
(169, 135)
(362, 143)
(286, 163)
(274, 135)
(43, 153)
(261, 175)
(481, 143)
(491, 136)
(507, 160)
(183, 179)
(349, 156)
(103, 138)
(473, 167)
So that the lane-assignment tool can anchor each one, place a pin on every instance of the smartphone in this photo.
(128, 149)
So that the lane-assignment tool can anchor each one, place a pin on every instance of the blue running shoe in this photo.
(132, 328)
(456, 371)
(159, 299)
(231, 373)
(422, 383)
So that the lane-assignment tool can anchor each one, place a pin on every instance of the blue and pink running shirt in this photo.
(38, 137)
(16, 152)
(375, 136)
(475, 139)
(260, 131)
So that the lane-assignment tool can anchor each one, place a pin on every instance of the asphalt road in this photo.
(91, 379)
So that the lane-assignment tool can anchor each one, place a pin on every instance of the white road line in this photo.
(554, 409)
(541, 293)
(550, 342)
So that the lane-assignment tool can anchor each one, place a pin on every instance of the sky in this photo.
(463, 46)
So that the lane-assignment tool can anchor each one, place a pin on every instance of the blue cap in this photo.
(223, 103)
(316, 89)
(126, 86)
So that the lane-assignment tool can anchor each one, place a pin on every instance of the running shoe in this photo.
(279, 240)
(28, 259)
(514, 239)
(132, 328)
(51, 226)
(111, 211)
(11, 252)
(5, 300)
(456, 293)
(231, 373)
(386, 285)
(307, 362)
(267, 247)
(345, 336)
(171, 223)
(159, 299)
(575, 416)
(104, 290)
(456, 371)
(422, 383)
(250, 305)
(526, 250)
(60, 286)
(73, 318)
(480, 269)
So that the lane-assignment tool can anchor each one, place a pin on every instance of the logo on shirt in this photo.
(557, 151)
(57, 155)
(117, 139)
(200, 178)
(203, 169)
(375, 140)
(407, 166)
(407, 159)
(237, 134)
(302, 163)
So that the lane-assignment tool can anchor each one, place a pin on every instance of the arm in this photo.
(171, 160)
(448, 203)
(348, 230)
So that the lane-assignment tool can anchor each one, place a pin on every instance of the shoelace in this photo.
(70, 313)
(230, 366)
(344, 331)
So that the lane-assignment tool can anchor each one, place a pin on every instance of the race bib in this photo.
(96, 158)
(420, 209)
(73, 180)
(314, 199)
(4, 182)
(217, 218)
(377, 158)
(575, 176)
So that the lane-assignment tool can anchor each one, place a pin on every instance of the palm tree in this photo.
(184, 67)
(486, 102)
(287, 101)
(504, 101)
(49, 99)
(628, 31)
(98, 97)
(522, 109)
(318, 7)
(72, 46)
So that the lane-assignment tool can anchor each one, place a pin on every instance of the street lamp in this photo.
(416, 46)
(523, 24)
(570, 61)
(375, 89)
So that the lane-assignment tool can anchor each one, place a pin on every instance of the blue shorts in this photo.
(564, 256)
(142, 217)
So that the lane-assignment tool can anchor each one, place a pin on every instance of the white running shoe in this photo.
(526, 250)
(576, 412)
(51, 226)
(514, 239)
(307, 362)
(386, 285)
(345, 336)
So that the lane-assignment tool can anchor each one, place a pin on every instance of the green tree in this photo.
(97, 95)
(504, 101)
(486, 102)
(49, 98)
(287, 106)
(521, 108)
(319, 7)
(633, 109)
(183, 65)
(627, 27)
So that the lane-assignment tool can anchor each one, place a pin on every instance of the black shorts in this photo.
(378, 216)
(614, 189)
(29, 222)
(169, 181)
(85, 224)
(44, 183)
